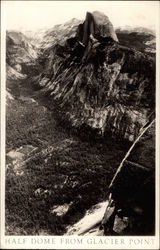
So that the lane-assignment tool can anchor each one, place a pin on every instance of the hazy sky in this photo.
(33, 15)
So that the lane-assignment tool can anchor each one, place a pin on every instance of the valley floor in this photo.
(52, 176)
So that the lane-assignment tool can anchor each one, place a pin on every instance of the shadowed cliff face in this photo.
(131, 208)
(99, 83)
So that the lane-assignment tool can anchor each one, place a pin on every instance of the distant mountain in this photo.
(139, 38)
(20, 52)
(60, 33)
(35, 37)
(129, 29)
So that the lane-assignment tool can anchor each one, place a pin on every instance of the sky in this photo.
(34, 15)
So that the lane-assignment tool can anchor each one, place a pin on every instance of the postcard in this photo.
(80, 124)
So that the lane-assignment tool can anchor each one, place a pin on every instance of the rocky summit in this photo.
(97, 26)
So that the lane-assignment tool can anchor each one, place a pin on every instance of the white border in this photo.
(3, 112)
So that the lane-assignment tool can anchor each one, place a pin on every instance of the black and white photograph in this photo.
(79, 113)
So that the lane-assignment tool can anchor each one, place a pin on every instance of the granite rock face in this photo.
(97, 25)
(99, 83)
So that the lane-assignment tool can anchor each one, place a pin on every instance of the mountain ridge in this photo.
(97, 59)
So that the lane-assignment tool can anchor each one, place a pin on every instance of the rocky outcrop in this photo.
(131, 207)
(89, 224)
(13, 73)
(99, 83)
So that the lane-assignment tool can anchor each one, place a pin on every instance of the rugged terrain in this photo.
(98, 82)
(75, 104)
